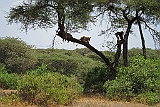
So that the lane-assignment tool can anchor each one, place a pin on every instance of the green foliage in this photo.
(64, 66)
(44, 14)
(42, 87)
(150, 6)
(141, 77)
(150, 98)
(67, 62)
(8, 81)
(152, 54)
(95, 79)
(12, 99)
(16, 55)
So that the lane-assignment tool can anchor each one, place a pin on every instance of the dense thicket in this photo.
(68, 62)
(140, 80)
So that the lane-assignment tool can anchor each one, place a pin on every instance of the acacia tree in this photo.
(69, 15)
(122, 14)
(147, 13)
(73, 15)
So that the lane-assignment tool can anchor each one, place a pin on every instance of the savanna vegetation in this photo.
(54, 76)
(59, 76)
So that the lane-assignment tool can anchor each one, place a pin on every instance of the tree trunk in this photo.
(142, 39)
(125, 42)
(125, 53)
(118, 53)
(125, 45)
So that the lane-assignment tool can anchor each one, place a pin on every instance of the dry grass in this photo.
(99, 101)
(8, 91)
(86, 101)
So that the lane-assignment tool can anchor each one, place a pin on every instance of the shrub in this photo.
(42, 87)
(8, 81)
(95, 79)
(67, 62)
(16, 55)
(12, 99)
(64, 66)
(141, 77)
(150, 98)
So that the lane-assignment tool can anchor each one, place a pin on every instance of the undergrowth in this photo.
(140, 80)
(43, 87)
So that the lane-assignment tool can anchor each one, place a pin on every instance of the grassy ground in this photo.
(98, 101)
(91, 101)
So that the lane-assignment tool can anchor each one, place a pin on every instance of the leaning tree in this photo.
(69, 15)
(72, 15)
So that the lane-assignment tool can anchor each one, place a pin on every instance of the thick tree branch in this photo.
(67, 36)
(106, 60)
(100, 54)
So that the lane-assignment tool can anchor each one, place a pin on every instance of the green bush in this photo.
(150, 98)
(142, 76)
(67, 62)
(42, 87)
(12, 99)
(64, 66)
(16, 55)
(150, 52)
(95, 79)
(8, 81)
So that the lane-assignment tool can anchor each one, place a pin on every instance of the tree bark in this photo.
(125, 45)
(125, 53)
(118, 53)
(142, 38)
(125, 41)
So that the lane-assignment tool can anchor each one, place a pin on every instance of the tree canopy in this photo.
(75, 14)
